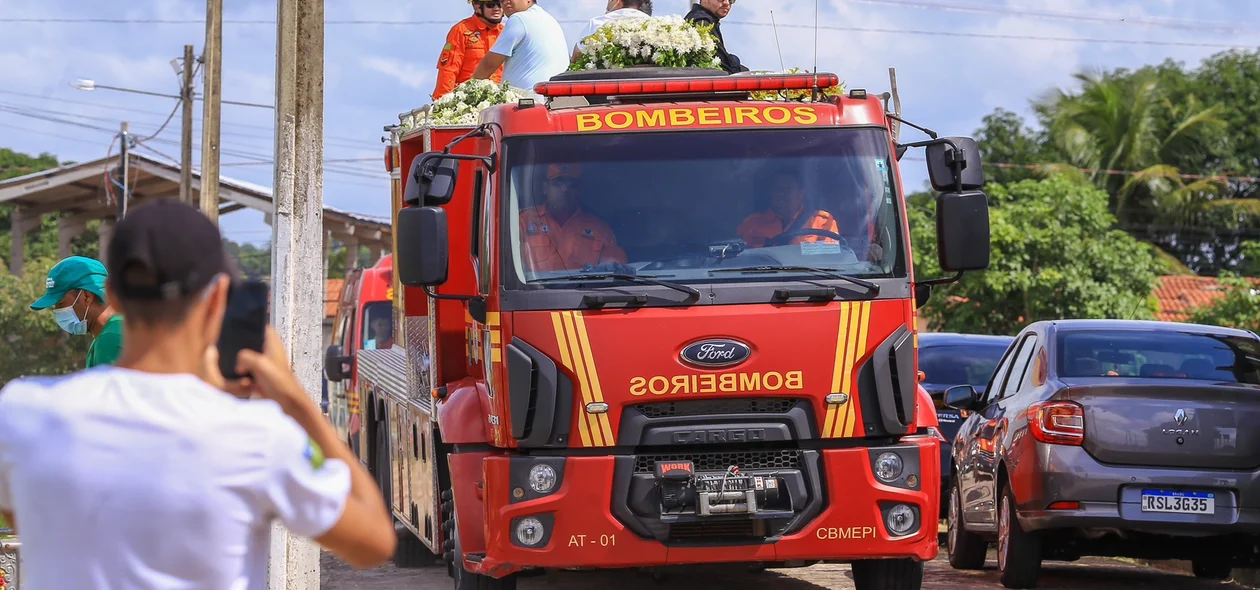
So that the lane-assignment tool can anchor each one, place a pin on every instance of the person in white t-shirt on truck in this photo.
(150, 475)
(617, 9)
(531, 47)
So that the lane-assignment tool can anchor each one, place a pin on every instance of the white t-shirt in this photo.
(127, 480)
(606, 18)
(535, 47)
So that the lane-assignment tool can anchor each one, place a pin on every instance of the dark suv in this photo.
(947, 360)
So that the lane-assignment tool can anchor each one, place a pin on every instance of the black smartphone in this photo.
(244, 324)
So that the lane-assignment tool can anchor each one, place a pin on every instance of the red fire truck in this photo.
(646, 321)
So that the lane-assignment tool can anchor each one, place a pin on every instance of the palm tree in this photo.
(1123, 121)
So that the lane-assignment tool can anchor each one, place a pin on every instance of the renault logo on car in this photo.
(716, 352)
(1181, 417)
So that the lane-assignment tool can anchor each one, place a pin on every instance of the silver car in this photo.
(1111, 438)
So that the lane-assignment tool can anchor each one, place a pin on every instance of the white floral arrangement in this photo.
(463, 105)
(804, 95)
(666, 41)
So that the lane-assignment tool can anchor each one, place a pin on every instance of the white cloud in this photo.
(407, 74)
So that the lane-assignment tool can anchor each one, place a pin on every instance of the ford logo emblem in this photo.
(719, 352)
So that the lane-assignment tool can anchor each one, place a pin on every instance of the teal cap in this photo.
(75, 272)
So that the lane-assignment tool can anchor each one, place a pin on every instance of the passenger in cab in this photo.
(787, 205)
(382, 334)
(559, 235)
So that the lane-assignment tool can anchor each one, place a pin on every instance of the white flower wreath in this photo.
(463, 105)
(667, 41)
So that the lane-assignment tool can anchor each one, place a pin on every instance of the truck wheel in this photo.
(1019, 551)
(966, 550)
(888, 574)
(1211, 569)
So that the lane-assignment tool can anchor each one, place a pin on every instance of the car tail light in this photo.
(689, 85)
(1057, 423)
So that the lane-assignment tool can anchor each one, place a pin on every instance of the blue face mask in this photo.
(69, 321)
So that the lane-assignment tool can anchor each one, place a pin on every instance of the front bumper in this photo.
(1110, 497)
(594, 518)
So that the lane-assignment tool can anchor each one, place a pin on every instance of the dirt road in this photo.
(1087, 574)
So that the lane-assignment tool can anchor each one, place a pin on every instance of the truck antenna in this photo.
(777, 45)
(815, 44)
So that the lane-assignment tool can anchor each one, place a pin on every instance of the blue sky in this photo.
(374, 72)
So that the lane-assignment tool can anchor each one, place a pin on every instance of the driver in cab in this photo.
(558, 235)
(787, 205)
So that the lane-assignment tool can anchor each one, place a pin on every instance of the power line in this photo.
(1219, 28)
(877, 30)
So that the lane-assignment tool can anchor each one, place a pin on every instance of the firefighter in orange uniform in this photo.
(559, 235)
(787, 204)
(467, 42)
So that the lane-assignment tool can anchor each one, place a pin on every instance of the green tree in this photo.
(1005, 138)
(1124, 120)
(1055, 255)
(33, 344)
(1238, 307)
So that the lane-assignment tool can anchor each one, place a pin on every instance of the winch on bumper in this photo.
(685, 494)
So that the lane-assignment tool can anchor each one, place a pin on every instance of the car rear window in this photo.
(962, 364)
(1159, 354)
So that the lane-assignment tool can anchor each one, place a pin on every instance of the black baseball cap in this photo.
(165, 250)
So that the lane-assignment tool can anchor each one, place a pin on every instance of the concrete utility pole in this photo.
(185, 142)
(124, 167)
(212, 64)
(298, 237)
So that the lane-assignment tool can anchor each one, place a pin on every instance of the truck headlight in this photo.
(888, 467)
(530, 531)
(542, 478)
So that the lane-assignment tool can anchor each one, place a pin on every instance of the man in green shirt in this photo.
(75, 291)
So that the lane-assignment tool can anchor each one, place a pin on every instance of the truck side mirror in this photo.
(942, 160)
(337, 366)
(423, 251)
(431, 181)
(962, 231)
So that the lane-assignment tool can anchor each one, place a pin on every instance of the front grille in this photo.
(708, 531)
(714, 407)
(788, 459)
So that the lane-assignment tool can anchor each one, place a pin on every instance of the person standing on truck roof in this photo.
(617, 9)
(712, 12)
(787, 204)
(150, 473)
(466, 43)
(559, 235)
(75, 290)
(531, 48)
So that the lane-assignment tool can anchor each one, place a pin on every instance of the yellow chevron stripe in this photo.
(838, 369)
(579, 367)
(597, 392)
(565, 358)
(846, 377)
(864, 329)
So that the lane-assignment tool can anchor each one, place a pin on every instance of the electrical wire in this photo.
(876, 30)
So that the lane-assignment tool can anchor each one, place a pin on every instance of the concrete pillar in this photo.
(21, 223)
(68, 228)
(105, 232)
(374, 253)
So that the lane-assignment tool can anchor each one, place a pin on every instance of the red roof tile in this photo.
(332, 294)
(1179, 295)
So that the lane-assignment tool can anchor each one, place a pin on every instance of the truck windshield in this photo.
(689, 207)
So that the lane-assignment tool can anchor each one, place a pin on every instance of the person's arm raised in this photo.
(309, 489)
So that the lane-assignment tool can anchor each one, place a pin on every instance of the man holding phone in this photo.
(150, 473)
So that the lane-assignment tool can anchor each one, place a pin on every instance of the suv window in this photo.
(959, 364)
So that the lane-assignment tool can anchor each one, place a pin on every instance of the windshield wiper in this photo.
(829, 273)
(647, 280)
